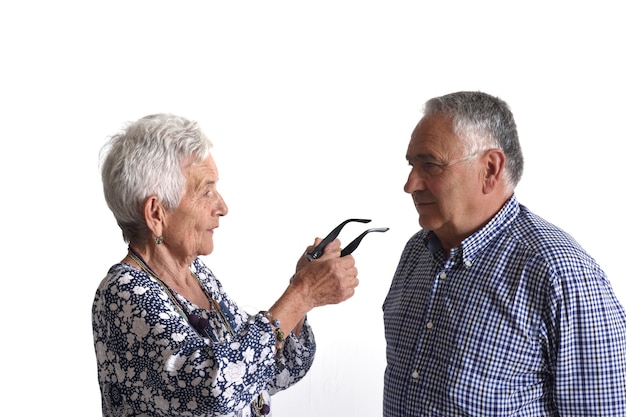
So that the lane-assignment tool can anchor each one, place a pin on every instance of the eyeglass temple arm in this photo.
(319, 249)
(355, 243)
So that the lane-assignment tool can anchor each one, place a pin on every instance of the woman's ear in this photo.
(153, 213)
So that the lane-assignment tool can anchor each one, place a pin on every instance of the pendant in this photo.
(259, 408)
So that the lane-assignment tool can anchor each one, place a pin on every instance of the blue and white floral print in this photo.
(152, 362)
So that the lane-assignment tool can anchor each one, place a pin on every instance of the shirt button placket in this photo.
(442, 276)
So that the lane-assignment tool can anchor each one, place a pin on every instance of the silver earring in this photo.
(159, 240)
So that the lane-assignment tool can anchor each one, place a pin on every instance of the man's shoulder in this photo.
(549, 241)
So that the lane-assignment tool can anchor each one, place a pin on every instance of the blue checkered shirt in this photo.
(518, 321)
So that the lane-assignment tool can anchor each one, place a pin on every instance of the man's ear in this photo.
(153, 213)
(494, 162)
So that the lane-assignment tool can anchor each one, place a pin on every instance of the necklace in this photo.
(258, 406)
(197, 322)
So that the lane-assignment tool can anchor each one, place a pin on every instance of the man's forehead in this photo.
(432, 137)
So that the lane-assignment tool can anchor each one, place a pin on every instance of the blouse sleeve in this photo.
(298, 356)
(299, 351)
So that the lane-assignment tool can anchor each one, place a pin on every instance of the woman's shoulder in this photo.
(122, 276)
(202, 271)
(206, 276)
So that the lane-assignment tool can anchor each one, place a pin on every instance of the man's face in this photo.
(445, 182)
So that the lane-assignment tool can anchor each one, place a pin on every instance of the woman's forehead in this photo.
(203, 171)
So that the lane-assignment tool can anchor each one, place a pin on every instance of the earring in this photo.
(159, 240)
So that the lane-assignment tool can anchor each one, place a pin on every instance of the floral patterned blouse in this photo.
(152, 362)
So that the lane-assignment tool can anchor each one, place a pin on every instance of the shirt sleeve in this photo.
(586, 342)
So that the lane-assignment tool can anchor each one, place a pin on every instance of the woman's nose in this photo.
(222, 208)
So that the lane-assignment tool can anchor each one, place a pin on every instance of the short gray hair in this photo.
(484, 122)
(146, 158)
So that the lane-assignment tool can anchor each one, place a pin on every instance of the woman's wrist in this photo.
(280, 338)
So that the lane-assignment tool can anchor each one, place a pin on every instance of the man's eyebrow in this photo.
(420, 157)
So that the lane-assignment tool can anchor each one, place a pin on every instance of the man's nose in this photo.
(414, 182)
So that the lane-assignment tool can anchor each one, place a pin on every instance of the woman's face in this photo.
(189, 228)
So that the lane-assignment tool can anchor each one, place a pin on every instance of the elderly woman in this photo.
(169, 340)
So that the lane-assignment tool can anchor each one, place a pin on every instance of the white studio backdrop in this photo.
(310, 106)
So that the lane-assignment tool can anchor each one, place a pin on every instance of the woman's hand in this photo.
(303, 261)
(329, 279)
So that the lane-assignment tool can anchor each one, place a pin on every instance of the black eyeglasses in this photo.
(319, 249)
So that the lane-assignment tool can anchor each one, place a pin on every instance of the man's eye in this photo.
(432, 168)
(429, 168)
(431, 165)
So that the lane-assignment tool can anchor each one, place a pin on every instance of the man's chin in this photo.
(427, 222)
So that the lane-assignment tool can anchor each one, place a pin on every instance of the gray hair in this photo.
(147, 158)
(484, 122)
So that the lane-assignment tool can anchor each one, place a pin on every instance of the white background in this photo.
(310, 106)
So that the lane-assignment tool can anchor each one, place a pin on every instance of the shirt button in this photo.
(468, 262)
(430, 325)
(415, 374)
(443, 275)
